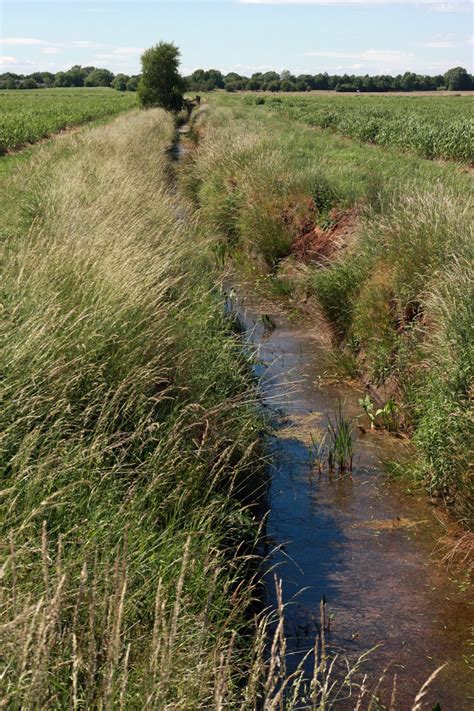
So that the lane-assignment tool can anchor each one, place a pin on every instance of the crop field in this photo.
(431, 127)
(27, 116)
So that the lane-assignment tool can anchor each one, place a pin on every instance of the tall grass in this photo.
(398, 291)
(403, 294)
(129, 446)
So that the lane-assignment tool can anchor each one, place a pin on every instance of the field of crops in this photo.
(27, 116)
(432, 127)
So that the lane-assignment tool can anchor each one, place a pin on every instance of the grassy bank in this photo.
(129, 437)
(381, 239)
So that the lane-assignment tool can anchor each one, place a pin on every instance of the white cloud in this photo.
(252, 68)
(129, 50)
(464, 6)
(20, 41)
(448, 3)
(84, 44)
(369, 55)
(8, 61)
(51, 50)
(453, 6)
(439, 44)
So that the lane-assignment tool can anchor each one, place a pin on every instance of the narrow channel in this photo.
(363, 544)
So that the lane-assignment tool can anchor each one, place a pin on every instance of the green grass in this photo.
(27, 116)
(397, 289)
(432, 127)
(129, 440)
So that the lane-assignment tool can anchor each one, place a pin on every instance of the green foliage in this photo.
(161, 84)
(201, 80)
(385, 416)
(457, 79)
(28, 116)
(120, 82)
(99, 77)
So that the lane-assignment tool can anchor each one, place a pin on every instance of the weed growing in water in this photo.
(341, 447)
(318, 453)
(338, 453)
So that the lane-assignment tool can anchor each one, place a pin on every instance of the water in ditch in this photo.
(364, 544)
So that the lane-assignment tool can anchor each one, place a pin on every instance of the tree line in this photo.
(76, 76)
(456, 79)
(202, 80)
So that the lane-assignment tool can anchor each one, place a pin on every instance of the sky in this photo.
(245, 36)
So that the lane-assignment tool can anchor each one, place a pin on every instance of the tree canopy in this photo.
(161, 83)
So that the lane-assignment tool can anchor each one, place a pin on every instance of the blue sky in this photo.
(304, 36)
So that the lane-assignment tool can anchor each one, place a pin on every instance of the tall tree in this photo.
(161, 83)
(457, 79)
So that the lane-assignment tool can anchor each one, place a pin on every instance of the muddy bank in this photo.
(364, 544)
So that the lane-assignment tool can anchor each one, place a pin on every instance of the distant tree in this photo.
(397, 83)
(202, 80)
(76, 75)
(344, 87)
(48, 79)
(8, 83)
(132, 84)
(287, 85)
(457, 79)
(306, 79)
(27, 84)
(37, 77)
(270, 76)
(302, 85)
(120, 82)
(409, 82)
(61, 80)
(321, 82)
(273, 85)
(234, 82)
(216, 77)
(99, 77)
(161, 83)
(254, 83)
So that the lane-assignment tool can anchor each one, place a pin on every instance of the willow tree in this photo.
(161, 83)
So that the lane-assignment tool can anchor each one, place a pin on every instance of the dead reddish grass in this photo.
(318, 245)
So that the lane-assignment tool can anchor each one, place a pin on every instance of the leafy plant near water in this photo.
(385, 416)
